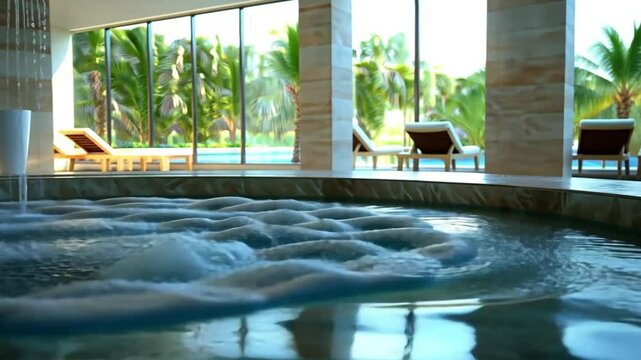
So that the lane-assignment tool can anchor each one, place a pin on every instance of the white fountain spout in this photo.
(14, 141)
(14, 149)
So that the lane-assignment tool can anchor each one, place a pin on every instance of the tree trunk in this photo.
(624, 103)
(296, 154)
(231, 124)
(100, 108)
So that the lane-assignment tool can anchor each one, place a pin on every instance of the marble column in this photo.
(530, 87)
(25, 73)
(325, 30)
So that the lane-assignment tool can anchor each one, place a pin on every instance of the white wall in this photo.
(77, 15)
(62, 78)
(62, 84)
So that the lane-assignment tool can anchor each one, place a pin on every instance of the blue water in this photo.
(281, 155)
(231, 278)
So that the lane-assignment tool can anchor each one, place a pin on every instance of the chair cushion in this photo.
(437, 126)
(606, 124)
(471, 150)
(604, 136)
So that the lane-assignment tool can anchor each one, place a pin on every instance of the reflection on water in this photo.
(544, 329)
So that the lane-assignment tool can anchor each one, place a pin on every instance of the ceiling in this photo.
(78, 15)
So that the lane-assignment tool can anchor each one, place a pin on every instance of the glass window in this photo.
(218, 85)
(90, 92)
(271, 81)
(383, 67)
(600, 84)
(453, 52)
(129, 79)
(172, 82)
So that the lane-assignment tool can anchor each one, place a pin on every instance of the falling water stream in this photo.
(26, 32)
(22, 193)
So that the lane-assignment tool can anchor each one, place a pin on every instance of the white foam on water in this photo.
(339, 213)
(376, 222)
(165, 262)
(107, 213)
(408, 263)
(452, 252)
(147, 205)
(334, 250)
(63, 209)
(264, 235)
(31, 251)
(72, 228)
(163, 215)
(266, 205)
(330, 225)
(219, 203)
(284, 217)
(180, 258)
(403, 238)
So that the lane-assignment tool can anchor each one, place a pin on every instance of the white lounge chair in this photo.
(362, 146)
(605, 139)
(437, 140)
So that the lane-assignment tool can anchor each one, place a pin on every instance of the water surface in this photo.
(237, 278)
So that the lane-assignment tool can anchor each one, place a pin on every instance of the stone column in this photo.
(63, 90)
(325, 31)
(25, 73)
(530, 87)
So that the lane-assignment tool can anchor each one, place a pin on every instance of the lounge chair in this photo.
(98, 149)
(605, 139)
(437, 140)
(70, 154)
(363, 146)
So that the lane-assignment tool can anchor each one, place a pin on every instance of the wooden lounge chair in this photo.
(605, 139)
(70, 154)
(363, 146)
(98, 149)
(437, 140)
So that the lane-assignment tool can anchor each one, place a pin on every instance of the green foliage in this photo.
(89, 79)
(383, 80)
(464, 106)
(218, 84)
(610, 86)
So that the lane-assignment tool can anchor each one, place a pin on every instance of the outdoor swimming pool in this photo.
(283, 279)
(283, 155)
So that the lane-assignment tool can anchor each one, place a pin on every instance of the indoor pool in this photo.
(231, 277)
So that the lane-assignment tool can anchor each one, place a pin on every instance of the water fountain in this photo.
(14, 148)
(25, 30)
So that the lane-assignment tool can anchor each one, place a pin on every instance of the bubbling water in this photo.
(127, 264)
(101, 265)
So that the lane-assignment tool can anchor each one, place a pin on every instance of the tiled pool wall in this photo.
(614, 209)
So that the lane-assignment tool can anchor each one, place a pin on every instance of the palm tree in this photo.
(621, 67)
(270, 106)
(611, 85)
(223, 85)
(89, 72)
(382, 80)
(172, 92)
(129, 84)
(464, 106)
(370, 98)
(282, 61)
(592, 94)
